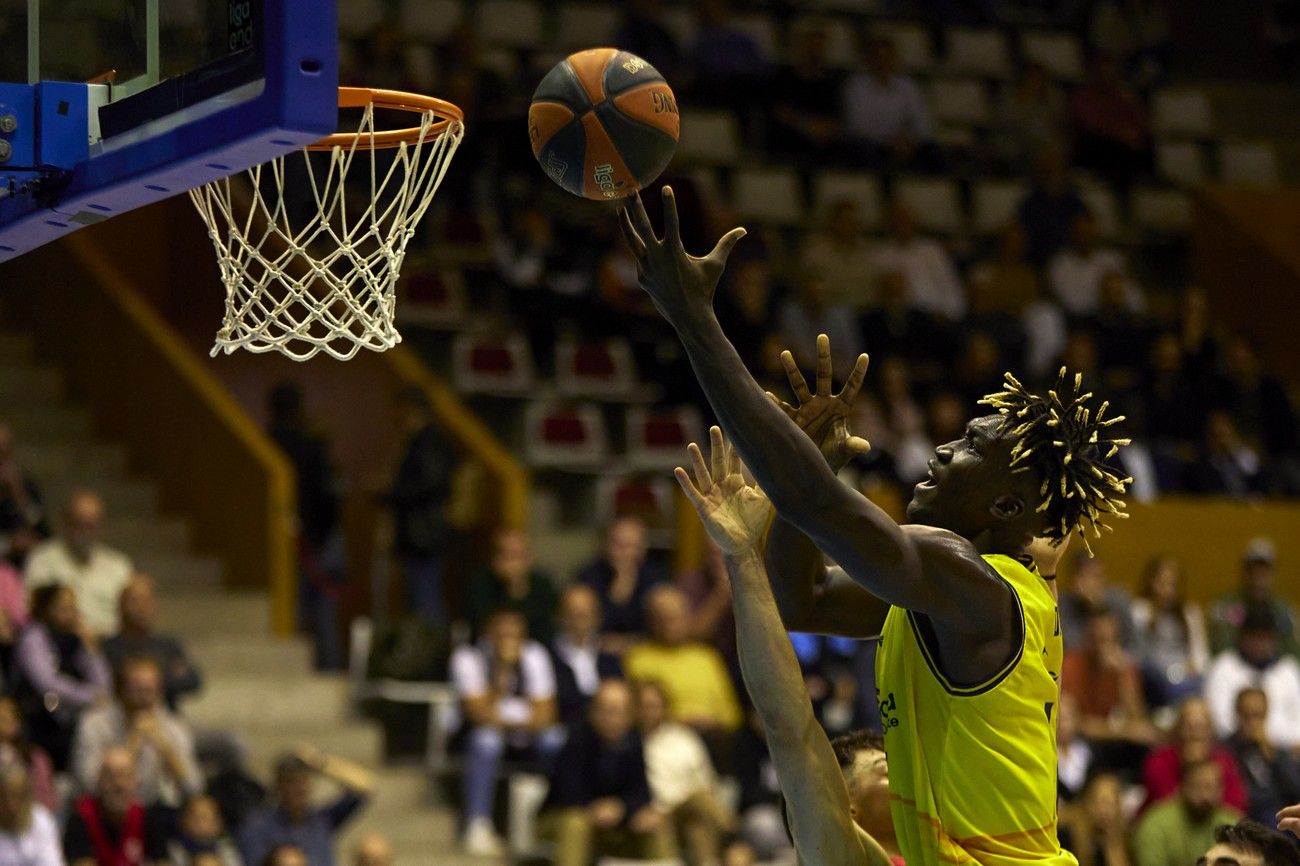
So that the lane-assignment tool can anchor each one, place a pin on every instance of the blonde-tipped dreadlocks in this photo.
(1060, 437)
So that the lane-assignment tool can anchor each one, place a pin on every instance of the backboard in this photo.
(108, 105)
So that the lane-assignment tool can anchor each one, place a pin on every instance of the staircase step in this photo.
(21, 382)
(125, 496)
(147, 535)
(362, 743)
(271, 701)
(196, 613)
(75, 458)
(177, 571)
(226, 655)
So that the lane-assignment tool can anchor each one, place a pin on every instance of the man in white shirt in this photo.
(507, 690)
(580, 663)
(1075, 274)
(96, 572)
(1256, 663)
(682, 778)
(933, 285)
(886, 118)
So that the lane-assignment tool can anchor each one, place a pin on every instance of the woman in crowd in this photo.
(18, 751)
(1191, 742)
(1171, 645)
(29, 835)
(1094, 828)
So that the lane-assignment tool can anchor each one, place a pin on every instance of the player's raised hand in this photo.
(822, 415)
(1289, 819)
(680, 284)
(734, 510)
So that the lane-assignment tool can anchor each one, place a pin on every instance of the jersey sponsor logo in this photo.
(888, 711)
(603, 175)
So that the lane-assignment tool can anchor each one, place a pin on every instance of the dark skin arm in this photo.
(932, 572)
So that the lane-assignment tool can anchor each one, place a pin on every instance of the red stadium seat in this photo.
(595, 368)
(565, 435)
(435, 298)
(657, 438)
(500, 365)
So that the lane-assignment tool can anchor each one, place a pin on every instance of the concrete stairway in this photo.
(259, 686)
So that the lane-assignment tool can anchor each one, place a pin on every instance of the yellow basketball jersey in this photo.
(972, 768)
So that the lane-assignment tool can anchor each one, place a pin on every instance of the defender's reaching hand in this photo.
(822, 415)
(680, 284)
(735, 511)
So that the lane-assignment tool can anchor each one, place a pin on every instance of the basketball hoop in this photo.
(329, 284)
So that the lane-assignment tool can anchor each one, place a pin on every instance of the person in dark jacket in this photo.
(580, 664)
(623, 577)
(1271, 774)
(418, 496)
(599, 803)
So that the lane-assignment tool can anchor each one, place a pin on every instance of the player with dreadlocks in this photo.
(970, 638)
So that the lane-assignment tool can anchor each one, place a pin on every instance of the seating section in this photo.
(492, 365)
(565, 435)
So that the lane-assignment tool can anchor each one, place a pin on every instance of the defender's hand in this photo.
(735, 512)
(825, 416)
(677, 282)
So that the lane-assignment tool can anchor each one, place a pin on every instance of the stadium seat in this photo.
(830, 186)
(1181, 162)
(595, 368)
(435, 298)
(647, 496)
(1101, 201)
(995, 203)
(1251, 163)
(657, 438)
(913, 41)
(510, 23)
(430, 20)
(1162, 210)
(582, 25)
(959, 101)
(842, 49)
(492, 365)
(1182, 113)
(936, 203)
(1059, 53)
(768, 195)
(564, 435)
(359, 17)
(526, 793)
(763, 30)
(709, 137)
(978, 51)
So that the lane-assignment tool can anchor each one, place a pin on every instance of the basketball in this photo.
(603, 123)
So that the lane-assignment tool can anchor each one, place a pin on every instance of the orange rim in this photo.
(396, 100)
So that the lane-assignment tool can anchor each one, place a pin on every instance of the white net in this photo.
(317, 271)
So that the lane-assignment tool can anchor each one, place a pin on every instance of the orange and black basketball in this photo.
(603, 123)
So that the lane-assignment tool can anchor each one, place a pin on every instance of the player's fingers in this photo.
(724, 246)
(824, 369)
(641, 220)
(634, 242)
(797, 382)
(684, 479)
(1289, 819)
(672, 225)
(717, 459)
(856, 378)
(702, 477)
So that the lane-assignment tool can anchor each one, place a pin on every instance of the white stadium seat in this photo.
(430, 20)
(978, 51)
(510, 23)
(1250, 163)
(1185, 113)
(1059, 53)
(935, 202)
(584, 25)
(1181, 162)
(959, 101)
(995, 203)
(831, 186)
(709, 137)
(1162, 210)
(768, 195)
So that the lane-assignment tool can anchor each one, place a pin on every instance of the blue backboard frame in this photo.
(166, 146)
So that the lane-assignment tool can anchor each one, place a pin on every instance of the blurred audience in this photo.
(729, 66)
(1094, 829)
(16, 750)
(708, 593)
(23, 521)
(373, 849)
(1180, 829)
(1102, 679)
(811, 310)
(933, 285)
(1073, 754)
(78, 558)
(510, 581)
(1170, 642)
(201, 832)
(1271, 774)
(885, 115)
(1076, 272)
(843, 255)
(644, 33)
(112, 825)
(1192, 740)
(1048, 212)
(580, 662)
(29, 832)
(1257, 661)
(138, 638)
(1112, 128)
(622, 577)
(1257, 587)
(805, 121)
(1091, 589)
(1028, 119)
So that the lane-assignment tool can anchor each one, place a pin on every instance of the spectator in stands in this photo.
(886, 118)
(708, 592)
(138, 639)
(762, 813)
(729, 66)
(1073, 754)
(57, 656)
(580, 663)
(932, 281)
(1258, 571)
(1075, 273)
(812, 310)
(293, 819)
(13, 612)
(166, 769)
(1272, 775)
(1048, 212)
(842, 253)
(644, 33)
(682, 779)
(827, 665)
(1093, 828)
(510, 581)
(1123, 333)
(29, 832)
(1007, 283)
(1228, 464)
(1092, 589)
(894, 418)
(1253, 844)
(201, 831)
(896, 329)
(746, 306)
(373, 850)
(693, 674)
(1028, 119)
(506, 686)
(1106, 685)
(418, 495)
(622, 577)
(1257, 401)
(1257, 661)
(1170, 642)
(1172, 402)
(1112, 128)
(16, 750)
(979, 367)
(113, 826)
(79, 559)
(599, 802)
(1192, 740)
(1177, 831)
(322, 558)
(805, 102)
(286, 855)
(23, 521)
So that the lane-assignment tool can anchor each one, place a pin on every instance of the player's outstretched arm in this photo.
(736, 515)
(855, 533)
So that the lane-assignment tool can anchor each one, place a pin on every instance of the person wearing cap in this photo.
(1259, 565)
(1257, 661)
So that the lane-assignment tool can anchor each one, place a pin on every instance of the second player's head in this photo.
(861, 756)
(1035, 469)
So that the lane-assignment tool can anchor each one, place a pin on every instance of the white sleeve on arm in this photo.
(468, 672)
(539, 673)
